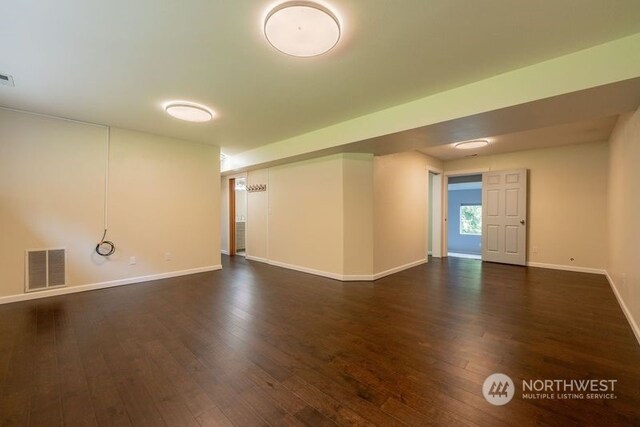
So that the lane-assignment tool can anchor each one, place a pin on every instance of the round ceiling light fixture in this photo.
(302, 28)
(468, 145)
(189, 111)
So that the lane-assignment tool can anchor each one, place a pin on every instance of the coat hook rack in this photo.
(256, 187)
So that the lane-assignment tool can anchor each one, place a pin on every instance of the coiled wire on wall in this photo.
(104, 247)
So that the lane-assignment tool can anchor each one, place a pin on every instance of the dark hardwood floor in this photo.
(260, 345)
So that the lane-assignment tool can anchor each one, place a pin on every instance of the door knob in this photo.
(522, 221)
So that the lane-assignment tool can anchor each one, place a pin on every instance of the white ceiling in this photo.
(594, 130)
(115, 62)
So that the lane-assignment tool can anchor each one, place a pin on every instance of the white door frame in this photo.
(445, 202)
(436, 223)
(227, 228)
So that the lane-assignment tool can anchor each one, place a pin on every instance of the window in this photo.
(471, 219)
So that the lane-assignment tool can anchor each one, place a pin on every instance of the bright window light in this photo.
(471, 220)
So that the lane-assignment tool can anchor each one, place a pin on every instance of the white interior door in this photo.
(504, 216)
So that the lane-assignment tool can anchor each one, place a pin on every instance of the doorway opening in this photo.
(434, 210)
(464, 216)
(237, 216)
(241, 215)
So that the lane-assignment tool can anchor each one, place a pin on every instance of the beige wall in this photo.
(357, 175)
(567, 201)
(351, 214)
(306, 214)
(224, 214)
(346, 215)
(400, 209)
(623, 264)
(316, 215)
(163, 198)
(258, 215)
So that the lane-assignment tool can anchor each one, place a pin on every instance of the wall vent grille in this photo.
(6, 80)
(45, 268)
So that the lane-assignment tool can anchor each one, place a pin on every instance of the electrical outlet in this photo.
(534, 250)
(132, 260)
(168, 256)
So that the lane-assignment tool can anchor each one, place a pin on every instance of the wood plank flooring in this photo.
(260, 345)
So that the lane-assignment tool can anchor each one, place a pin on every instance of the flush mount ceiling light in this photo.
(302, 28)
(189, 111)
(468, 145)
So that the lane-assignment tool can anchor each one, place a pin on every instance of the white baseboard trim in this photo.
(336, 276)
(625, 310)
(102, 285)
(322, 273)
(567, 268)
(295, 267)
(357, 278)
(224, 251)
(256, 258)
(400, 268)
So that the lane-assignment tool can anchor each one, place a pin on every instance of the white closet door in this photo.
(504, 216)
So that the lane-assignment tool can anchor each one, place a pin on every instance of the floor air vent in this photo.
(45, 268)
